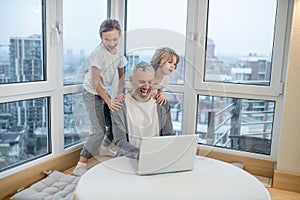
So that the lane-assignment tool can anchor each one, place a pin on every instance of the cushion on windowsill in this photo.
(55, 186)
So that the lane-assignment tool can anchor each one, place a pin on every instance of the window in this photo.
(21, 42)
(146, 30)
(81, 35)
(234, 122)
(76, 120)
(24, 131)
(24, 116)
(238, 40)
(239, 46)
(227, 86)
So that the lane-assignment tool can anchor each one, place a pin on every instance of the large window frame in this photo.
(281, 32)
(53, 87)
(274, 92)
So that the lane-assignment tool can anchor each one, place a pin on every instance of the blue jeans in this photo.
(99, 114)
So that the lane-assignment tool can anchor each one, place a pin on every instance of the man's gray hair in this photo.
(142, 65)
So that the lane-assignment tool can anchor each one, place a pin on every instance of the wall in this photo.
(289, 151)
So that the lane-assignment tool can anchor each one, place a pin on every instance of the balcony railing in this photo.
(233, 126)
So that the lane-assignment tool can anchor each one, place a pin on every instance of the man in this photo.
(140, 115)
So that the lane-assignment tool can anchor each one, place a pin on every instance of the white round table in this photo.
(211, 179)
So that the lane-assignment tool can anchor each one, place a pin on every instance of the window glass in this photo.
(81, 20)
(242, 124)
(147, 30)
(176, 100)
(24, 131)
(21, 41)
(76, 120)
(239, 41)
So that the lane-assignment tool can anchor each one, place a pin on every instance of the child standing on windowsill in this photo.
(164, 61)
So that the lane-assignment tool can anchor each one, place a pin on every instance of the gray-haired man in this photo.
(140, 115)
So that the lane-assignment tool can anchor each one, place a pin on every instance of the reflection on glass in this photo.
(24, 133)
(242, 124)
(76, 120)
(146, 24)
(81, 35)
(240, 41)
(21, 46)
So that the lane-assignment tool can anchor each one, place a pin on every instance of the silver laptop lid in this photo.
(167, 154)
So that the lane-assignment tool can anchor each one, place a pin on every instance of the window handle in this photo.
(56, 30)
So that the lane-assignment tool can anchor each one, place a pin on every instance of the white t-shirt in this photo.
(108, 65)
(163, 84)
(142, 119)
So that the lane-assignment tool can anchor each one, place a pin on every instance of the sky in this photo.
(19, 18)
(230, 23)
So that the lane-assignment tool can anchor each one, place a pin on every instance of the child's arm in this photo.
(161, 97)
(113, 104)
(120, 96)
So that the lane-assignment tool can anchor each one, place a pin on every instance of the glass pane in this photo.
(21, 41)
(176, 100)
(81, 35)
(242, 124)
(145, 23)
(24, 133)
(76, 120)
(239, 41)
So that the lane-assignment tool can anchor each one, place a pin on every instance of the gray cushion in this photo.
(55, 186)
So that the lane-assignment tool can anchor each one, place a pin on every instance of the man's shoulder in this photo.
(164, 107)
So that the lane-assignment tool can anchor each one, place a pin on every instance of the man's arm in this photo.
(120, 132)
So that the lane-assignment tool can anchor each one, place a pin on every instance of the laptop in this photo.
(166, 154)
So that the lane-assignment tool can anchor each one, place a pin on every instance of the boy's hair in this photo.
(163, 55)
(109, 25)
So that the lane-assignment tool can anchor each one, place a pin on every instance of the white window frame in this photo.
(194, 84)
(196, 30)
(197, 34)
(279, 48)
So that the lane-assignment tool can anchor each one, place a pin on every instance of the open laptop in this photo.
(167, 154)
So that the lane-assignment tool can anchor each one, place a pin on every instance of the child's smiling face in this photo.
(111, 39)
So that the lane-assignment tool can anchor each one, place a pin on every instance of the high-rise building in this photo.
(26, 59)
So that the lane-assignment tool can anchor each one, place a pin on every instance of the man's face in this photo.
(142, 82)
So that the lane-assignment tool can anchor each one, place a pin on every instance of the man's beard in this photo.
(136, 96)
